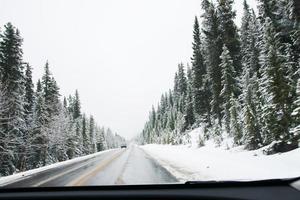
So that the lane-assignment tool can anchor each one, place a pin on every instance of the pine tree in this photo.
(85, 139)
(295, 139)
(212, 51)
(39, 136)
(28, 106)
(29, 92)
(235, 126)
(198, 72)
(58, 137)
(189, 109)
(92, 134)
(65, 103)
(76, 106)
(101, 144)
(12, 78)
(229, 34)
(6, 160)
(267, 9)
(251, 125)
(180, 82)
(50, 92)
(251, 72)
(72, 141)
(228, 83)
(46, 82)
(274, 87)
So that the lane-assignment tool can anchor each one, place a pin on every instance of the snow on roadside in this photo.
(22, 175)
(188, 162)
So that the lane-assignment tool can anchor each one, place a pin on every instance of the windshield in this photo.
(116, 92)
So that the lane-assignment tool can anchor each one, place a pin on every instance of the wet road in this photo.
(119, 166)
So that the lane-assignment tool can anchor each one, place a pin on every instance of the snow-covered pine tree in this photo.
(65, 103)
(6, 160)
(295, 131)
(76, 106)
(72, 139)
(275, 90)
(235, 125)
(249, 81)
(39, 137)
(245, 28)
(29, 109)
(229, 33)
(12, 78)
(85, 138)
(50, 92)
(111, 143)
(70, 105)
(250, 118)
(229, 84)
(29, 92)
(180, 88)
(46, 84)
(189, 102)
(74, 109)
(212, 46)
(92, 134)
(58, 136)
(101, 143)
(198, 73)
(267, 9)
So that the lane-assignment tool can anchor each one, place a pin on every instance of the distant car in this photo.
(123, 146)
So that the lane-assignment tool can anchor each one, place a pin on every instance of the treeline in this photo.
(36, 127)
(242, 81)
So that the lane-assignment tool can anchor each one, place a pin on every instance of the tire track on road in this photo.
(102, 165)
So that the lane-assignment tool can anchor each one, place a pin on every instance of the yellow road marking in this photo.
(85, 177)
(119, 180)
(58, 175)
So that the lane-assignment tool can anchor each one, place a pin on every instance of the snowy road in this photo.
(120, 166)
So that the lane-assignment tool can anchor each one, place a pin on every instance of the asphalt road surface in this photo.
(120, 166)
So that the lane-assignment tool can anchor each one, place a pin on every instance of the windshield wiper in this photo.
(244, 182)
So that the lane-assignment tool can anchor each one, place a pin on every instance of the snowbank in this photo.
(189, 162)
(22, 175)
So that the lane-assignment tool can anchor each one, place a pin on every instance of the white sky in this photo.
(120, 54)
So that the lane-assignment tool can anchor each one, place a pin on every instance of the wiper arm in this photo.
(244, 182)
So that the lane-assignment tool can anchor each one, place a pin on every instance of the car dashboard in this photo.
(288, 189)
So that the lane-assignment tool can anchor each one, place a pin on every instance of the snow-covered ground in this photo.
(15, 177)
(189, 162)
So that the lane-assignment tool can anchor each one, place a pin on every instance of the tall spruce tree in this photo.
(39, 136)
(235, 125)
(50, 92)
(29, 91)
(12, 78)
(250, 93)
(275, 89)
(229, 85)
(85, 138)
(212, 50)
(180, 88)
(76, 106)
(198, 72)
(28, 106)
(229, 33)
(189, 101)
(296, 118)
(92, 134)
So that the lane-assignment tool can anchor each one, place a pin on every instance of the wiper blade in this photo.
(243, 182)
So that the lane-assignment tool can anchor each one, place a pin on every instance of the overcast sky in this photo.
(120, 54)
